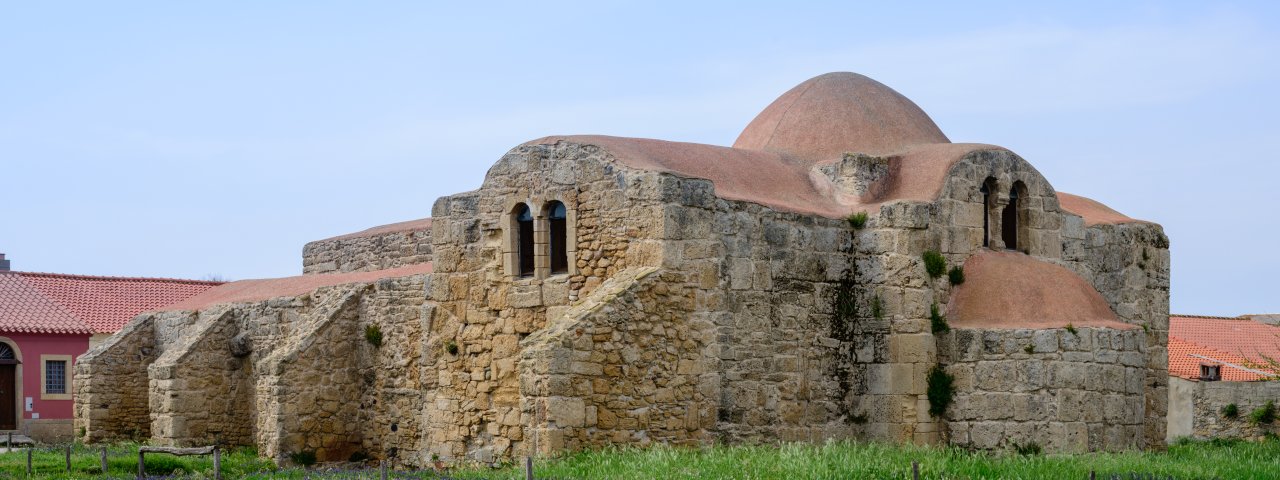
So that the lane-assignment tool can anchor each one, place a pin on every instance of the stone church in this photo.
(842, 271)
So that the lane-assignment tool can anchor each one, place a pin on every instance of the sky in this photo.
(214, 139)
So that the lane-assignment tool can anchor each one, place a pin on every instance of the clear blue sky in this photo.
(186, 139)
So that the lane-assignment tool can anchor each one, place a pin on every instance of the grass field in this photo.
(845, 460)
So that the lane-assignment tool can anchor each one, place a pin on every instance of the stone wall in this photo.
(111, 401)
(369, 251)
(1196, 409)
(1129, 265)
(1065, 391)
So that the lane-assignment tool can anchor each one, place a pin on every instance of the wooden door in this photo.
(8, 398)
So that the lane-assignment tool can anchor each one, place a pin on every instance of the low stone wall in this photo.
(406, 243)
(1196, 409)
(1064, 391)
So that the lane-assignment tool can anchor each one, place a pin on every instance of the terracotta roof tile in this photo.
(98, 304)
(1238, 341)
(267, 288)
(24, 309)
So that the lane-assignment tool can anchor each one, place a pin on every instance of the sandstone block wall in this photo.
(1196, 409)
(366, 253)
(1064, 391)
(111, 401)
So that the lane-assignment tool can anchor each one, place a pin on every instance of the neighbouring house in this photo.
(46, 321)
(842, 271)
(1223, 373)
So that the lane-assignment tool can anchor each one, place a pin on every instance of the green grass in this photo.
(1219, 459)
(49, 462)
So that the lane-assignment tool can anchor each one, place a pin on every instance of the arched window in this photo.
(556, 220)
(988, 187)
(524, 240)
(6, 352)
(1009, 217)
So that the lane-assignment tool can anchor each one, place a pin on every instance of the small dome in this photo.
(831, 114)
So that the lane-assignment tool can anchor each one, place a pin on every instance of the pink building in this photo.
(46, 321)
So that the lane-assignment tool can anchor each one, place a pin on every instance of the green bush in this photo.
(956, 275)
(373, 334)
(934, 264)
(450, 347)
(1231, 411)
(941, 390)
(938, 322)
(1266, 414)
(858, 220)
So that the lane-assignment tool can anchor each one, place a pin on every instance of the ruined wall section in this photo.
(1128, 264)
(199, 394)
(308, 396)
(366, 253)
(111, 384)
(1062, 390)
(625, 366)
(471, 372)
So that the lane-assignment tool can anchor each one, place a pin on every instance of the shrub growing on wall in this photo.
(373, 335)
(858, 220)
(934, 264)
(939, 322)
(941, 390)
(1266, 414)
(956, 275)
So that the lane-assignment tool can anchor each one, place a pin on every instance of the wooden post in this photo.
(10, 442)
(68, 458)
(528, 468)
(382, 469)
(915, 470)
(103, 459)
(217, 464)
(142, 472)
(29, 448)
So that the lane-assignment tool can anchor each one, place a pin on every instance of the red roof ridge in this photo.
(1208, 316)
(117, 279)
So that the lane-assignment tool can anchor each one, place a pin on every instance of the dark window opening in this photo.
(1009, 221)
(55, 376)
(524, 240)
(6, 352)
(556, 217)
(1210, 373)
(987, 187)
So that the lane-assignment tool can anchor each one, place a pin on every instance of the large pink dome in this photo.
(831, 114)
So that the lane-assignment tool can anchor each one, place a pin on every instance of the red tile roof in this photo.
(57, 303)
(267, 288)
(1238, 344)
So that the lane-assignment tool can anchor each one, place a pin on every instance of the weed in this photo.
(937, 320)
(857, 220)
(1266, 414)
(1230, 411)
(373, 334)
(934, 264)
(1072, 329)
(877, 308)
(450, 347)
(956, 275)
(1030, 349)
(941, 390)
